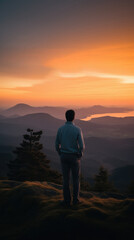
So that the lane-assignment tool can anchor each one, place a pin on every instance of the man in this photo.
(70, 145)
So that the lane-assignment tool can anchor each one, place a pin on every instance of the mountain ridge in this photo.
(123, 127)
(59, 112)
(108, 120)
(24, 109)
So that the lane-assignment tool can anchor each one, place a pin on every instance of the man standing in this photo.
(70, 145)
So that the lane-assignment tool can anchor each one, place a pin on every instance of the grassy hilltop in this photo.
(31, 210)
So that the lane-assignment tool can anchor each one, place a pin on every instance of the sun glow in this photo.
(93, 76)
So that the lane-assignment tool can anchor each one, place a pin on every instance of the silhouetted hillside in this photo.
(123, 173)
(37, 120)
(113, 120)
(111, 153)
(2, 117)
(32, 210)
(124, 128)
(108, 127)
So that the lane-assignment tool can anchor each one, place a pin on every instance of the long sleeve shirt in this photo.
(69, 139)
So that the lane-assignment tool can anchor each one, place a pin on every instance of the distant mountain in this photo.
(24, 109)
(1, 110)
(38, 121)
(98, 109)
(113, 120)
(59, 112)
(111, 153)
(2, 117)
(114, 128)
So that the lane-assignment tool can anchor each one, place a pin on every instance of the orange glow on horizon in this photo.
(118, 115)
(101, 75)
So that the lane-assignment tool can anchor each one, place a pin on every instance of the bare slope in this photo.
(31, 211)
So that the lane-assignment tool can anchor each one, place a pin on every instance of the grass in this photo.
(32, 210)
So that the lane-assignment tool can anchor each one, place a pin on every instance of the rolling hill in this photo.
(113, 120)
(32, 210)
(37, 121)
(106, 127)
(119, 174)
(111, 153)
(2, 117)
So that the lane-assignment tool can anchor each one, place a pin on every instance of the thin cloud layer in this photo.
(124, 79)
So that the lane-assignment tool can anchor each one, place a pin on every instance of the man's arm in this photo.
(81, 142)
(57, 142)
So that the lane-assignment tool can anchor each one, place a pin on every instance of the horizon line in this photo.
(69, 106)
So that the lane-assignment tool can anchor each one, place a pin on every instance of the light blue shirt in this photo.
(69, 139)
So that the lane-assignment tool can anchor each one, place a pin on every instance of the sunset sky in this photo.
(67, 52)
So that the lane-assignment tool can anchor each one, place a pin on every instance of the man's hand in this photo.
(79, 154)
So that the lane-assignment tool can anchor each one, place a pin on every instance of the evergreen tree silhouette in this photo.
(31, 164)
(101, 181)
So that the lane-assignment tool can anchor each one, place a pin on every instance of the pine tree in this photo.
(101, 181)
(30, 163)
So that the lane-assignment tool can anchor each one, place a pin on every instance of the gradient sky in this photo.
(72, 52)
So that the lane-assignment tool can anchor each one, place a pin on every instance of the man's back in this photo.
(69, 139)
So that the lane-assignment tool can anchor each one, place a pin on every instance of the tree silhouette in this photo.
(101, 181)
(31, 163)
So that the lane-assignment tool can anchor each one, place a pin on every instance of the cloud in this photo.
(14, 83)
(123, 78)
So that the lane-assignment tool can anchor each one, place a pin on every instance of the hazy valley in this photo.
(109, 141)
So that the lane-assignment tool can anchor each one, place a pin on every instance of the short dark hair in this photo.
(70, 114)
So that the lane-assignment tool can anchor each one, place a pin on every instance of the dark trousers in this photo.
(70, 163)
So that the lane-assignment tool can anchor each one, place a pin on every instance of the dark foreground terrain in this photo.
(32, 210)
